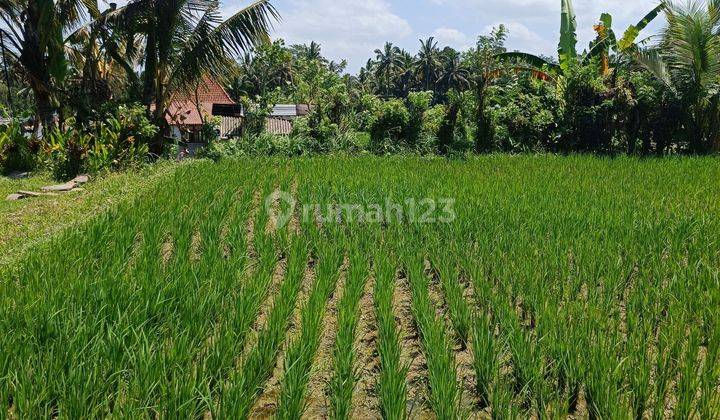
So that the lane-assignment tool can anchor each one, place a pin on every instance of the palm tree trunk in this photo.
(484, 132)
(34, 61)
(46, 112)
(150, 72)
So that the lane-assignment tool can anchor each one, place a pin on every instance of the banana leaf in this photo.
(568, 35)
(627, 42)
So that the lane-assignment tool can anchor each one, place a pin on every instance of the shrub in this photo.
(119, 142)
(447, 132)
(417, 103)
(113, 148)
(587, 112)
(432, 121)
(387, 126)
(16, 150)
(64, 152)
(351, 142)
(134, 124)
(317, 132)
(524, 116)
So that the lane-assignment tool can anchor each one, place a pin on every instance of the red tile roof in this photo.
(183, 110)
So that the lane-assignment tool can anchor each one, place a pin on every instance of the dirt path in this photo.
(266, 404)
(411, 355)
(365, 399)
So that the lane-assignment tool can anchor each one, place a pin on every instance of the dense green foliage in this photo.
(547, 285)
(620, 95)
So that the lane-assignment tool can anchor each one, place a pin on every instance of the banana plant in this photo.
(605, 42)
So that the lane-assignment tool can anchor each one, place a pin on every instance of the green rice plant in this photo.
(344, 367)
(594, 276)
(502, 402)
(458, 308)
(246, 383)
(604, 388)
(485, 349)
(689, 380)
(669, 348)
(301, 352)
(709, 401)
(392, 388)
(640, 375)
(437, 347)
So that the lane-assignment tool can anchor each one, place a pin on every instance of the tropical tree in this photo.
(33, 34)
(687, 61)
(389, 61)
(186, 40)
(484, 70)
(270, 66)
(101, 65)
(404, 80)
(454, 74)
(428, 63)
(310, 52)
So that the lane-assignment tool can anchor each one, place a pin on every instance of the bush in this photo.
(418, 103)
(587, 112)
(64, 152)
(524, 116)
(387, 126)
(119, 142)
(16, 150)
(316, 131)
(433, 120)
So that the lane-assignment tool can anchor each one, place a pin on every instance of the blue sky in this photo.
(353, 29)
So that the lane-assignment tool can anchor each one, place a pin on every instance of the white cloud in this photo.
(452, 37)
(352, 29)
(520, 37)
(346, 29)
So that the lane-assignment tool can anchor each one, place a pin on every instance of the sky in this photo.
(353, 29)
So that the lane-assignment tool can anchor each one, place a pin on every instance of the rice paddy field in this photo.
(497, 287)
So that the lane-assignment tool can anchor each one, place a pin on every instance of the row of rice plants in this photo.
(444, 389)
(344, 366)
(245, 383)
(156, 306)
(108, 313)
(391, 386)
(301, 353)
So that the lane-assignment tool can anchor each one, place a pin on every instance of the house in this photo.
(282, 116)
(188, 110)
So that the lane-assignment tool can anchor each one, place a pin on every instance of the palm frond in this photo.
(651, 60)
(213, 43)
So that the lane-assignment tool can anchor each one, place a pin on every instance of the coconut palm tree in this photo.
(389, 61)
(309, 52)
(33, 31)
(687, 61)
(428, 62)
(101, 64)
(186, 40)
(454, 74)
